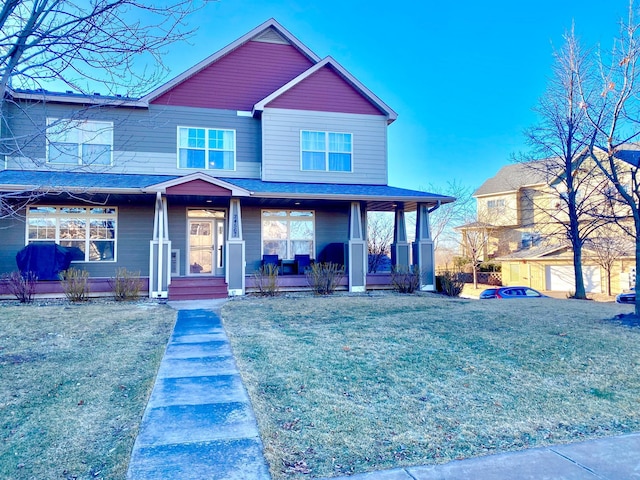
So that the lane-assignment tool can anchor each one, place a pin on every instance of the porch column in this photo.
(357, 251)
(235, 264)
(160, 252)
(423, 256)
(400, 246)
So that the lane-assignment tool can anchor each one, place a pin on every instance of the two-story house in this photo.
(522, 217)
(263, 148)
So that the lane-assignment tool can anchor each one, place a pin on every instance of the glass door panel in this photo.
(201, 257)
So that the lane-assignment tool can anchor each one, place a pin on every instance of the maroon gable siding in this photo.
(325, 91)
(239, 79)
(198, 187)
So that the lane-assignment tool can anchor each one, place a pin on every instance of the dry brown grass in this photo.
(75, 382)
(347, 384)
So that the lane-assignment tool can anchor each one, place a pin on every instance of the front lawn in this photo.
(346, 384)
(75, 379)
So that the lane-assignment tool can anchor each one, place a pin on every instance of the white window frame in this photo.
(287, 218)
(87, 216)
(206, 148)
(84, 138)
(326, 151)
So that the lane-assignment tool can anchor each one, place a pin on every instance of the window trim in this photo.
(88, 216)
(326, 151)
(109, 127)
(290, 255)
(206, 148)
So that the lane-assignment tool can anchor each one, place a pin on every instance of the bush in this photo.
(75, 284)
(451, 283)
(267, 280)
(125, 285)
(324, 277)
(405, 279)
(21, 285)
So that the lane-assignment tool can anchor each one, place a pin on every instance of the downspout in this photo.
(435, 207)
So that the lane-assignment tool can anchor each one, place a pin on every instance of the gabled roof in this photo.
(513, 177)
(256, 32)
(536, 253)
(354, 82)
(162, 186)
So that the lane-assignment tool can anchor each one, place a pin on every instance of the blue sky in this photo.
(463, 75)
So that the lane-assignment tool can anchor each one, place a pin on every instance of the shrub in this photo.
(267, 280)
(405, 279)
(125, 285)
(451, 283)
(323, 278)
(75, 284)
(21, 285)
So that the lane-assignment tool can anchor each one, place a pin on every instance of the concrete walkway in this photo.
(198, 423)
(614, 458)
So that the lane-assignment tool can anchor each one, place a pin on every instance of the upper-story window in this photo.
(79, 142)
(206, 148)
(496, 204)
(326, 151)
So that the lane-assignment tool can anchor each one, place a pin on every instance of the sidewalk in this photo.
(614, 458)
(198, 423)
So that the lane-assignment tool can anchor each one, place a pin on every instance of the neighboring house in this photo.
(263, 148)
(521, 213)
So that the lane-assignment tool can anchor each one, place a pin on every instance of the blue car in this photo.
(627, 297)
(510, 292)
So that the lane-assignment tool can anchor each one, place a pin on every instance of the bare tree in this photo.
(446, 217)
(475, 240)
(72, 44)
(608, 246)
(615, 115)
(76, 42)
(561, 138)
(379, 238)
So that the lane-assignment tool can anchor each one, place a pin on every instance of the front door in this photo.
(206, 233)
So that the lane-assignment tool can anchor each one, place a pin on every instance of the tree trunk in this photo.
(608, 271)
(577, 268)
(637, 311)
(475, 277)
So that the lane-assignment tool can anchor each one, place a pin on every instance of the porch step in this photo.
(200, 288)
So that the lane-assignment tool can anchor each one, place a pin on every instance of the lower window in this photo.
(90, 230)
(288, 233)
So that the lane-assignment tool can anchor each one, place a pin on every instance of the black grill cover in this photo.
(46, 259)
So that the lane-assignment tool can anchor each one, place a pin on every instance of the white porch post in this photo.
(400, 246)
(235, 264)
(160, 252)
(423, 255)
(357, 251)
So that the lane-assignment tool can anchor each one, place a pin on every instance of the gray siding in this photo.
(251, 227)
(12, 232)
(332, 225)
(178, 233)
(135, 230)
(281, 146)
(145, 141)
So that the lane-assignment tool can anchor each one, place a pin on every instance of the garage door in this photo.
(560, 278)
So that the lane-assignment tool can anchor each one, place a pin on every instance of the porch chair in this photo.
(302, 262)
(270, 260)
